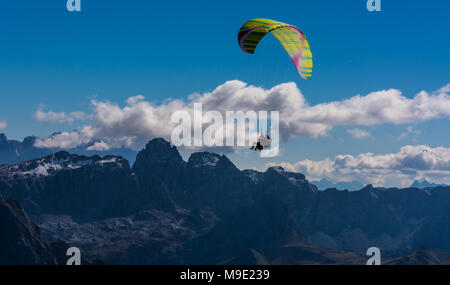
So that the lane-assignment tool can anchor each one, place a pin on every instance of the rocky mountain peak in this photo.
(278, 170)
(157, 152)
(29, 141)
(368, 187)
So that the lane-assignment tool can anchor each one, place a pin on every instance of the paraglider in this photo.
(263, 142)
(291, 38)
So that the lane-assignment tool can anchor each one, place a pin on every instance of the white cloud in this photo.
(3, 124)
(78, 115)
(54, 117)
(444, 90)
(135, 99)
(99, 146)
(394, 169)
(314, 169)
(84, 138)
(66, 140)
(359, 134)
(139, 120)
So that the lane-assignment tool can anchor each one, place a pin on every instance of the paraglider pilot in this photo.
(263, 142)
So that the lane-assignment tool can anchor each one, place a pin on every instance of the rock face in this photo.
(214, 182)
(164, 210)
(394, 219)
(21, 242)
(207, 180)
(160, 168)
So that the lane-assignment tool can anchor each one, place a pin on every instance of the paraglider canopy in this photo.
(291, 38)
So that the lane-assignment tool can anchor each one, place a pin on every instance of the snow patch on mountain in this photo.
(204, 159)
(254, 175)
(51, 164)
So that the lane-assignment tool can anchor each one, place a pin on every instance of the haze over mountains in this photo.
(164, 210)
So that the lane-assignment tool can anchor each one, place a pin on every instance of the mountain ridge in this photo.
(324, 184)
(423, 184)
(197, 209)
(14, 151)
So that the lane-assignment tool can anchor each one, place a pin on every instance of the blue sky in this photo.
(113, 50)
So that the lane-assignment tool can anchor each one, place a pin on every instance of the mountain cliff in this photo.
(20, 240)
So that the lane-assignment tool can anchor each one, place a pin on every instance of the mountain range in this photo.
(14, 151)
(325, 184)
(164, 210)
(423, 184)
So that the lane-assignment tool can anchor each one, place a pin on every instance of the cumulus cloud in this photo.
(99, 146)
(3, 124)
(140, 120)
(314, 169)
(359, 134)
(444, 90)
(135, 99)
(54, 117)
(86, 137)
(66, 140)
(393, 169)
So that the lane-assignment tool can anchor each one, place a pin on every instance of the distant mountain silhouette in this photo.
(164, 210)
(324, 184)
(424, 184)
